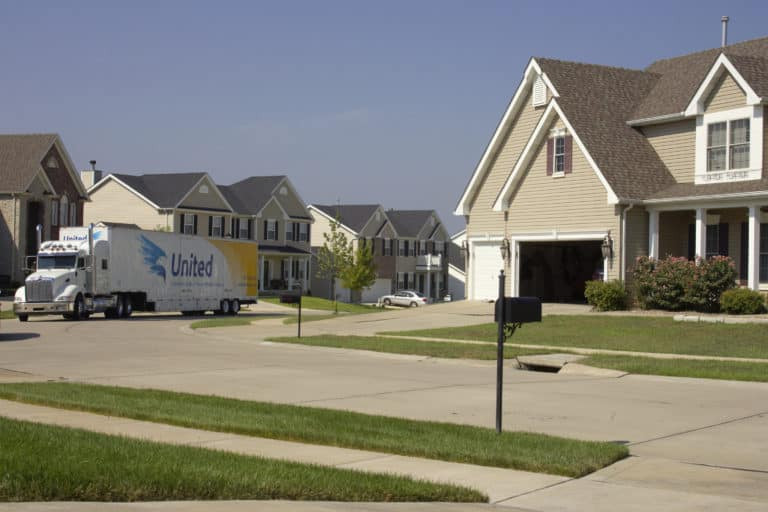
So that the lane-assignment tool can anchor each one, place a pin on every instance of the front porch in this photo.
(282, 269)
(705, 230)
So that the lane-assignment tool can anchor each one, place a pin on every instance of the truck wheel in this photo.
(234, 307)
(110, 313)
(119, 307)
(79, 311)
(224, 307)
(23, 318)
(127, 306)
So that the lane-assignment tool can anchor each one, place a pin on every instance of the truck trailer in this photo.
(118, 269)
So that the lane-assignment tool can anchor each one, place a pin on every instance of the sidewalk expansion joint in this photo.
(500, 501)
(714, 425)
(383, 456)
(730, 468)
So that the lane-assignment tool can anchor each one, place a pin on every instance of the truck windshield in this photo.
(58, 261)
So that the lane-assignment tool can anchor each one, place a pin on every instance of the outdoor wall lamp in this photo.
(607, 247)
(504, 248)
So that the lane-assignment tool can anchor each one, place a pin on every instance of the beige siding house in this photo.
(593, 166)
(263, 208)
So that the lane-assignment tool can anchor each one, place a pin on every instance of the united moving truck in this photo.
(118, 269)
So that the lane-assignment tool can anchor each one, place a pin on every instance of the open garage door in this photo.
(557, 271)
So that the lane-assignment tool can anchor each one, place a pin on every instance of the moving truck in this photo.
(117, 269)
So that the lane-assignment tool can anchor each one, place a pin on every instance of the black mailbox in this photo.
(519, 310)
(290, 298)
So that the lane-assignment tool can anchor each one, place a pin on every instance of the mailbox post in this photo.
(510, 313)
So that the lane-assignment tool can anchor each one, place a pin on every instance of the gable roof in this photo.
(408, 223)
(354, 216)
(251, 194)
(164, 190)
(21, 157)
(680, 77)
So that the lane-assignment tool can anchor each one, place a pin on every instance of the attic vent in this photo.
(203, 189)
(539, 92)
(53, 163)
(283, 191)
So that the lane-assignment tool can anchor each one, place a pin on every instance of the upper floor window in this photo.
(188, 227)
(422, 247)
(728, 145)
(387, 247)
(303, 232)
(289, 231)
(439, 247)
(558, 160)
(63, 211)
(270, 229)
(559, 149)
(244, 230)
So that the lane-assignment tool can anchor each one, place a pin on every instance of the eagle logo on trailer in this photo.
(152, 254)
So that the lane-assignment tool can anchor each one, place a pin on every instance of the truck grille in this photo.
(39, 290)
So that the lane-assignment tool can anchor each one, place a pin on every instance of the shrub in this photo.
(674, 283)
(742, 301)
(606, 295)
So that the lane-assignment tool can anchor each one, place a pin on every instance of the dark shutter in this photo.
(236, 232)
(406, 248)
(194, 223)
(181, 223)
(722, 239)
(277, 230)
(309, 238)
(691, 241)
(210, 226)
(743, 254)
(296, 231)
(265, 230)
(568, 157)
(550, 153)
(250, 227)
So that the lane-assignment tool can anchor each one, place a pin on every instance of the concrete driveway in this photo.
(697, 444)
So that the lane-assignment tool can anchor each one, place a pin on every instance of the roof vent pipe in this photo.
(724, 42)
(93, 165)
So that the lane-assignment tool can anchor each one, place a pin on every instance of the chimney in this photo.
(724, 41)
(91, 176)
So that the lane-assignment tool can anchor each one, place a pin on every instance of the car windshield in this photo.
(57, 261)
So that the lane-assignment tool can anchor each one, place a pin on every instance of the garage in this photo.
(557, 271)
(485, 263)
(377, 289)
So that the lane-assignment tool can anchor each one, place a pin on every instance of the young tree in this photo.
(362, 272)
(333, 258)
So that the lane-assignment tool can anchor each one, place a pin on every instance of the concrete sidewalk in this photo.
(499, 484)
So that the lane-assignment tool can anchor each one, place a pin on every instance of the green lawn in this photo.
(726, 370)
(308, 318)
(221, 322)
(631, 333)
(443, 441)
(6, 314)
(325, 305)
(48, 463)
(449, 350)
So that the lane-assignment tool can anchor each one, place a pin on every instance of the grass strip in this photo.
(45, 463)
(442, 441)
(702, 369)
(448, 350)
(7, 315)
(630, 333)
(325, 305)
(309, 318)
(221, 322)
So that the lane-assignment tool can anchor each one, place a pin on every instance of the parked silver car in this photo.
(408, 298)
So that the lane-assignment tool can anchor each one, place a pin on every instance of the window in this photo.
(387, 251)
(54, 213)
(764, 253)
(73, 214)
(422, 247)
(439, 247)
(728, 145)
(303, 232)
(244, 231)
(288, 231)
(402, 247)
(270, 229)
(63, 211)
(217, 223)
(189, 224)
(400, 280)
(713, 240)
(558, 157)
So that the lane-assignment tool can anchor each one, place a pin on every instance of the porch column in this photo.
(653, 234)
(290, 272)
(262, 277)
(700, 248)
(753, 248)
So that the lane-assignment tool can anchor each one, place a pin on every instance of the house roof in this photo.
(251, 195)
(408, 223)
(679, 77)
(597, 101)
(354, 216)
(682, 191)
(165, 190)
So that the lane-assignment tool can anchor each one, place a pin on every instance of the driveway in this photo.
(696, 443)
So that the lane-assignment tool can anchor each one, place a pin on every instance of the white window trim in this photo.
(243, 232)
(271, 228)
(217, 222)
(288, 231)
(190, 224)
(303, 232)
(754, 171)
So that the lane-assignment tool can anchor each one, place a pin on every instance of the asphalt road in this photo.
(696, 444)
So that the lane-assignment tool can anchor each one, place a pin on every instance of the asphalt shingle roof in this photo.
(408, 223)
(163, 189)
(250, 195)
(20, 158)
(354, 216)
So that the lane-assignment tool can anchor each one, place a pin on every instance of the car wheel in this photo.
(413, 304)
(23, 318)
(234, 307)
(387, 302)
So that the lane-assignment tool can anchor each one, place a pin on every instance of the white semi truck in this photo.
(118, 269)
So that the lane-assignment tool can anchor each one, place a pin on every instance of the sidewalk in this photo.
(499, 484)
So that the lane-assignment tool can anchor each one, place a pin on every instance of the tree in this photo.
(334, 257)
(362, 272)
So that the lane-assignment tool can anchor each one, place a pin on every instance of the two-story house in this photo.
(263, 208)
(39, 185)
(409, 248)
(592, 166)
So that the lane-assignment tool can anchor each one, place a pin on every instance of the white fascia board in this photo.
(665, 118)
(502, 200)
(722, 64)
(213, 186)
(531, 72)
(332, 219)
(112, 177)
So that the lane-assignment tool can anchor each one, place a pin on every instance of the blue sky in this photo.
(362, 102)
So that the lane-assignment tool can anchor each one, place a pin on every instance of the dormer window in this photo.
(728, 145)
